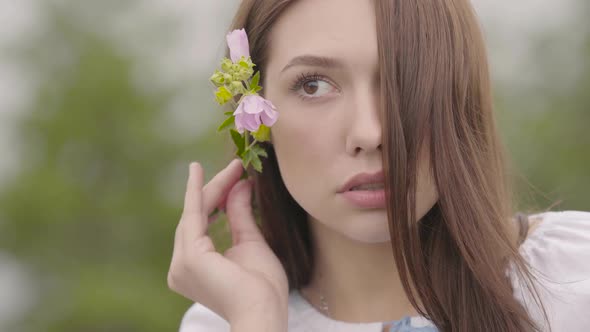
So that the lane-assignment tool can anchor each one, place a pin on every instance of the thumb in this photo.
(239, 214)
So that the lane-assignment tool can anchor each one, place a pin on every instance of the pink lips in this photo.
(367, 199)
(364, 198)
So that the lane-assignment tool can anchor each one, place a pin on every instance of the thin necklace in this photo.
(324, 304)
(323, 301)
(324, 307)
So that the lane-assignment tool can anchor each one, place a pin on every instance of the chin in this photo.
(370, 226)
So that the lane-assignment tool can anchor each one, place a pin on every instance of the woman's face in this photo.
(329, 127)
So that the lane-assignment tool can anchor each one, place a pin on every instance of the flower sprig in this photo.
(253, 115)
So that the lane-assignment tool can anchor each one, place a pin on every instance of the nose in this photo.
(365, 133)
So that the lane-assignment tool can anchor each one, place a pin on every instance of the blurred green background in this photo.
(112, 110)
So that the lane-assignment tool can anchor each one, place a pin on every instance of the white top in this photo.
(558, 248)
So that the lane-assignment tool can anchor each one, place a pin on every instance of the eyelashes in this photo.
(304, 78)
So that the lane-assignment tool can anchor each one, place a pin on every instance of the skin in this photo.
(325, 139)
(247, 282)
(320, 143)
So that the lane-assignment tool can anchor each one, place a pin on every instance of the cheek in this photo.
(303, 140)
(303, 146)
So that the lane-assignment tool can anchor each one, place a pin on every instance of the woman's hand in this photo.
(248, 277)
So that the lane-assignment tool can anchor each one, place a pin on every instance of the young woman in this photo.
(384, 201)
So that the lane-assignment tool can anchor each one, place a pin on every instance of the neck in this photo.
(359, 281)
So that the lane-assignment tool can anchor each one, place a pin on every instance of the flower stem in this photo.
(252, 144)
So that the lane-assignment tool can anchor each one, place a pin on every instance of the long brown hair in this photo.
(435, 92)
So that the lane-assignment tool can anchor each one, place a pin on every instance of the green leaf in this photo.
(259, 151)
(228, 122)
(250, 156)
(246, 158)
(239, 141)
(262, 134)
(255, 160)
(228, 113)
(255, 80)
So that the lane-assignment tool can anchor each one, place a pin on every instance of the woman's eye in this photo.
(311, 86)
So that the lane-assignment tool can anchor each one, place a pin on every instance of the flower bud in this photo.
(246, 62)
(242, 75)
(222, 95)
(237, 41)
(226, 65)
(218, 78)
(245, 73)
(236, 87)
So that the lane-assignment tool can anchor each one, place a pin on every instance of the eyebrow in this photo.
(314, 61)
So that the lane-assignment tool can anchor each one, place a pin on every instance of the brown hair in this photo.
(435, 92)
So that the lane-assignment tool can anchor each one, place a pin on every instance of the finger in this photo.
(192, 215)
(239, 213)
(215, 192)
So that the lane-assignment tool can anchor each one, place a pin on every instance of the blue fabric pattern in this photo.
(405, 325)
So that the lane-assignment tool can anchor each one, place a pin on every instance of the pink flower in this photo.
(252, 111)
(237, 41)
